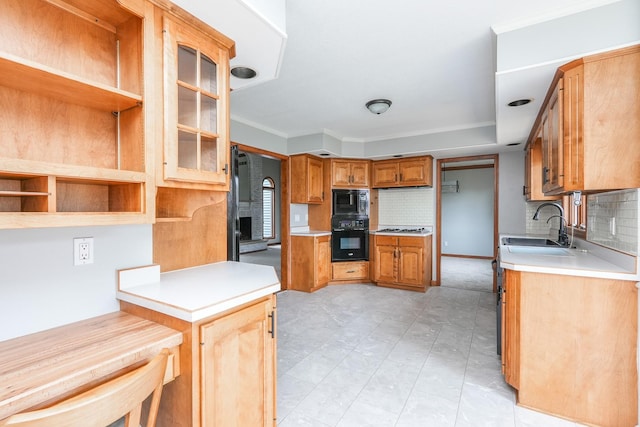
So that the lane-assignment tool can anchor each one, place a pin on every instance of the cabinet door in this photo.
(315, 175)
(573, 113)
(340, 173)
(415, 172)
(238, 368)
(385, 174)
(306, 179)
(323, 260)
(533, 171)
(553, 143)
(410, 263)
(511, 328)
(385, 260)
(528, 165)
(360, 174)
(196, 102)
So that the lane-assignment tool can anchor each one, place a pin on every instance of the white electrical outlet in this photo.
(82, 250)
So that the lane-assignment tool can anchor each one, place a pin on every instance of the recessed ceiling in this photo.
(450, 68)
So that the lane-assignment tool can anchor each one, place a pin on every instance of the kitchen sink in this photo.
(540, 250)
(529, 241)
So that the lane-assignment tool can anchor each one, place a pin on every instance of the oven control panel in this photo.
(349, 223)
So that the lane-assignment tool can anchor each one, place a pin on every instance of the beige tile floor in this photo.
(361, 355)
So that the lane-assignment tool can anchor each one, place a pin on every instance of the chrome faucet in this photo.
(563, 239)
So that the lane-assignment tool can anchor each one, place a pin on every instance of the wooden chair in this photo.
(106, 403)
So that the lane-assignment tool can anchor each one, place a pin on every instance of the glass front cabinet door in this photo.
(196, 105)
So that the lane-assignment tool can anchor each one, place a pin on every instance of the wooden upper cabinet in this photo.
(73, 150)
(410, 172)
(350, 173)
(533, 172)
(307, 173)
(196, 90)
(589, 121)
(384, 174)
(553, 166)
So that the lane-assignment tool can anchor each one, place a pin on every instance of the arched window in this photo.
(268, 208)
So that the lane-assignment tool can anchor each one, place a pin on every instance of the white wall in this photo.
(40, 288)
(247, 135)
(467, 216)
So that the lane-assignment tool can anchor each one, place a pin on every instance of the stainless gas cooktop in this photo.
(403, 230)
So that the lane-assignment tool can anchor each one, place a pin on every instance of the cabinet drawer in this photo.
(411, 241)
(386, 240)
(350, 270)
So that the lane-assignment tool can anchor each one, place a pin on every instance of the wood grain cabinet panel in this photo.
(237, 369)
(227, 367)
(588, 117)
(402, 262)
(410, 172)
(307, 174)
(350, 271)
(73, 115)
(196, 143)
(533, 172)
(310, 262)
(570, 346)
(350, 173)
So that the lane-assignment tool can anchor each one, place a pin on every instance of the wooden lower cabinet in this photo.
(227, 365)
(402, 262)
(310, 262)
(569, 346)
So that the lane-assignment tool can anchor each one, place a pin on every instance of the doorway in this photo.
(467, 221)
(272, 249)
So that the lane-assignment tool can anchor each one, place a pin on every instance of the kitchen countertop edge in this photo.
(159, 296)
(581, 263)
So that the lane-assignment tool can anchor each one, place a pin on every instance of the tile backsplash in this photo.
(406, 206)
(541, 226)
(612, 220)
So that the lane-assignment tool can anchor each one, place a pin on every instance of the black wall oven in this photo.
(349, 238)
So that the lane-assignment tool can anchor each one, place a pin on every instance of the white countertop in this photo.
(195, 293)
(311, 233)
(586, 260)
(305, 231)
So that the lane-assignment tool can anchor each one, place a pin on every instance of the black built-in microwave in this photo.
(351, 202)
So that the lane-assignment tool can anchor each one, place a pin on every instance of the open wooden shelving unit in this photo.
(72, 138)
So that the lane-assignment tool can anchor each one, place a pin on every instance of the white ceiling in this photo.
(449, 67)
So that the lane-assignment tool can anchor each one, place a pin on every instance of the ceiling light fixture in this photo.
(519, 102)
(243, 72)
(378, 106)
